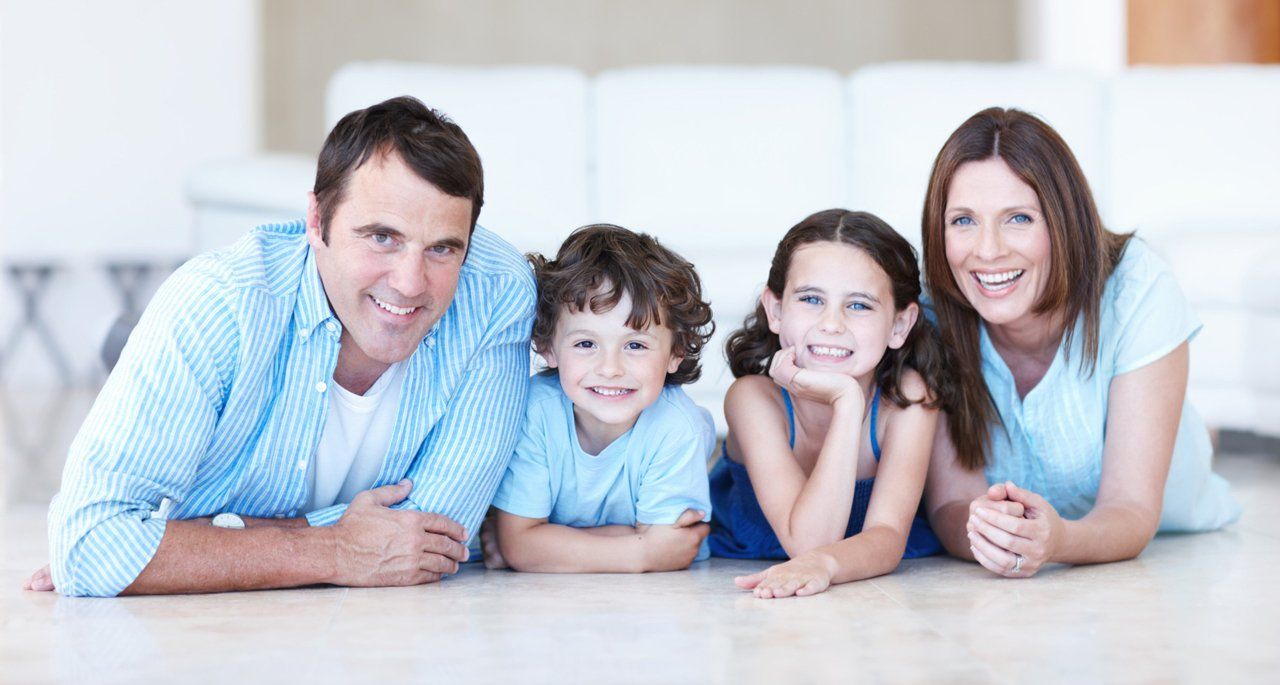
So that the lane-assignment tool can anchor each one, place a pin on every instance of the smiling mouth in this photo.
(828, 352)
(388, 307)
(603, 391)
(995, 282)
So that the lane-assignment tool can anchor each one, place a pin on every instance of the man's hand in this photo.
(376, 546)
(671, 548)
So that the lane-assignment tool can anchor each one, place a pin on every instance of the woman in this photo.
(1070, 343)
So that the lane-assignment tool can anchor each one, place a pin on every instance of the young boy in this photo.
(610, 471)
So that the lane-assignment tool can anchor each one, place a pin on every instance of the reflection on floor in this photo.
(1192, 607)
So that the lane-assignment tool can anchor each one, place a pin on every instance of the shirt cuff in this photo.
(327, 516)
(110, 558)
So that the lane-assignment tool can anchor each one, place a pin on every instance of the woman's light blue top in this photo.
(1052, 440)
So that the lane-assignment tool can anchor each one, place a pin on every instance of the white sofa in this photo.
(719, 161)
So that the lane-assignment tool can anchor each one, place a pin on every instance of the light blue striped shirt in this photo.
(220, 397)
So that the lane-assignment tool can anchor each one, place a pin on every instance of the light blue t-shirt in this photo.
(1052, 439)
(649, 475)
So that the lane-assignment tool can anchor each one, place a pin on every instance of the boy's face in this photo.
(610, 371)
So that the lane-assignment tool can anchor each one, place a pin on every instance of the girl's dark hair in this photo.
(750, 348)
(598, 263)
(1083, 253)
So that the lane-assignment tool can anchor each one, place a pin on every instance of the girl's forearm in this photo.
(875, 551)
(820, 515)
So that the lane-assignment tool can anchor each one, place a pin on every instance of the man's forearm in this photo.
(195, 557)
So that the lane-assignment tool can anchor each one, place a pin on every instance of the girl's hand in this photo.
(807, 574)
(823, 386)
(1011, 546)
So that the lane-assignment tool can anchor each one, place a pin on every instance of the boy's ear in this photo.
(674, 364)
(547, 355)
(772, 305)
(903, 322)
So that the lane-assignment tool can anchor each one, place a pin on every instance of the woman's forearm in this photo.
(551, 548)
(949, 523)
(1108, 533)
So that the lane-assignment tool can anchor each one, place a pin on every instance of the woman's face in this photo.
(997, 241)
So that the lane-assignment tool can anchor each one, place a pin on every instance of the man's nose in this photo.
(409, 275)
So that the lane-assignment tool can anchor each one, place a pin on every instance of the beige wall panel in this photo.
(306, 40)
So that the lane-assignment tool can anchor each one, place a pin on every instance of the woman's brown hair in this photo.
(750, 348)
(1083, 253)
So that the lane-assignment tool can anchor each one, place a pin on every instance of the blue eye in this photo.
(584, 344)
(859, 307)
(1020, 219)
(809, 299)
(440, 250)
(636, 345)
(962, 221)
(383, 239)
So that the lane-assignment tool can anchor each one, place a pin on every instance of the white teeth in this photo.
(998, 281)
(829, 351)
(399, 311)
(611, 392)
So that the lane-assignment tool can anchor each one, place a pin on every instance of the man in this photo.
(324, 402)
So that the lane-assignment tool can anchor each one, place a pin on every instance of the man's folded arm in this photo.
(143, 439)
(463, 460)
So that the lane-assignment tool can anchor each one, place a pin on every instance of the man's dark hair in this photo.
(598, 263)
(433, 146)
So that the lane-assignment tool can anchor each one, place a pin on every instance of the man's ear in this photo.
(772, 306)
(903, 322)
(313, 222)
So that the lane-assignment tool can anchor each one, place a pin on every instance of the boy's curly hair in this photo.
(598, 263)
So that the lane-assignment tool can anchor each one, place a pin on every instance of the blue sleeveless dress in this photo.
(739, 529)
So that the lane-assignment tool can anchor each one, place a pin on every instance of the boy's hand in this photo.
(807, 574)
(489, 543)
(674, 547)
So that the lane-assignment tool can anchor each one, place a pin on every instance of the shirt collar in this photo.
(312, 309)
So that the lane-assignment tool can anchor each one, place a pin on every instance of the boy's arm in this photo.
(538, 546)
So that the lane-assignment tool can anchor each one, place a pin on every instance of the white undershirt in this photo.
(356, 435)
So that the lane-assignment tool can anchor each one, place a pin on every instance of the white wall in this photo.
(103, 109)
(1088, 34)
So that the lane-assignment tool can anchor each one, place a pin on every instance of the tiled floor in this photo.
(1191, 608)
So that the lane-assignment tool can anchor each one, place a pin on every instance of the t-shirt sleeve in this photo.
(1153, 316)
(525, 489)
(675, 478)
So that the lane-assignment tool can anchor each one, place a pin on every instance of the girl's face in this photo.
(837, 310)
(997, 242)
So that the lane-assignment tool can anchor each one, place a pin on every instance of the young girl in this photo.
(831, 418)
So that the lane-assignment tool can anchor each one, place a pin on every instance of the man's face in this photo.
(390, 268)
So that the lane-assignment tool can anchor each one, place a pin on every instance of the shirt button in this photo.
(321, 387)
(331, 326)
(279, 516)
(302, 464)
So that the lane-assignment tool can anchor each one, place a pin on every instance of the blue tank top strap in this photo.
(791, 419)
(875, 414)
